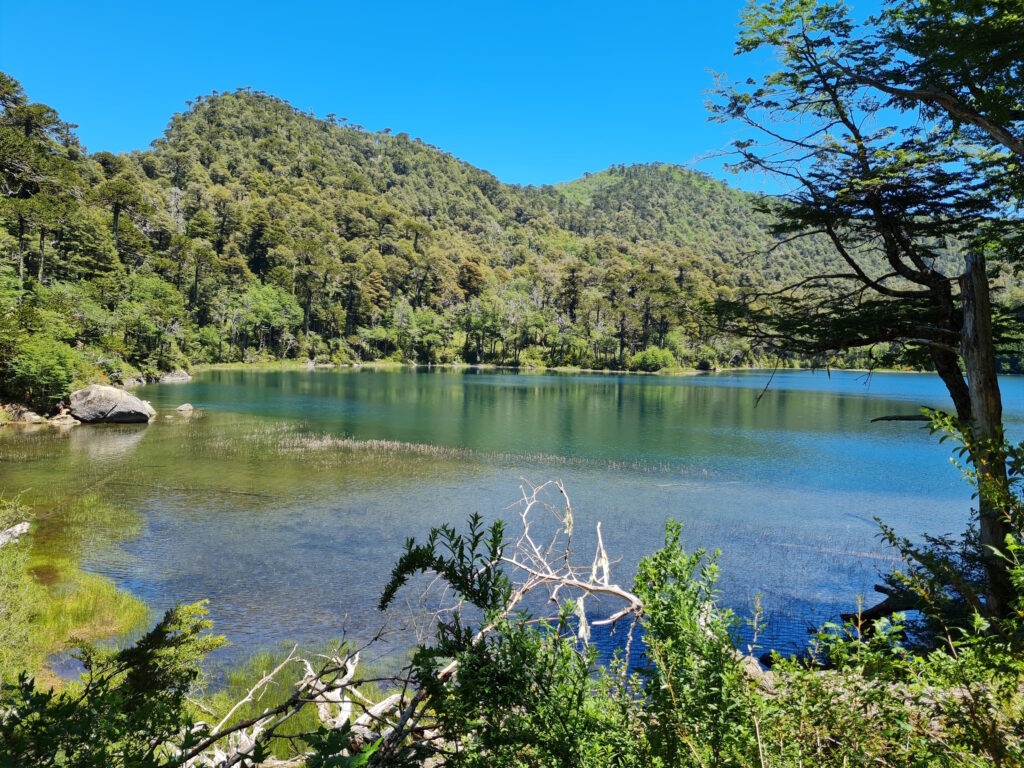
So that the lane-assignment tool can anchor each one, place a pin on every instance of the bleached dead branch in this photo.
(543, 572)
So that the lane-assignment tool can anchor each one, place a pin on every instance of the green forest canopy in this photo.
(252, 231)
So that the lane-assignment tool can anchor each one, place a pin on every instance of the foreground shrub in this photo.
(41, 371)
(128, 707)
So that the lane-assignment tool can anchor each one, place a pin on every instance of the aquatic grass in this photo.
(82, 606)
(18, 593)
(284, 439)
(61, 604)
(84, 524)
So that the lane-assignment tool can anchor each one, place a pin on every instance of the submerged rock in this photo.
(99, 403)
(175, 377)
(184, 408)
(64, 420)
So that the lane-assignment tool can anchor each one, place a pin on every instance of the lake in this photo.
(258, 504)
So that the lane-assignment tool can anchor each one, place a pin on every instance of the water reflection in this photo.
(106, 442)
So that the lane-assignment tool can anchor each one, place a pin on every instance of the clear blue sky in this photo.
(533, 92)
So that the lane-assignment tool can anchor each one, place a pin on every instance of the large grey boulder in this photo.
(99, 403)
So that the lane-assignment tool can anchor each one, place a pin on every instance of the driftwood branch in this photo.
(402, 721)
(904, 417)
(894, 603)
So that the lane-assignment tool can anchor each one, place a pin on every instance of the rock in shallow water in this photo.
(63, 420)
(175, 377)
(99, 403)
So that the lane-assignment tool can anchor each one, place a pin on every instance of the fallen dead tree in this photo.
(540, 571)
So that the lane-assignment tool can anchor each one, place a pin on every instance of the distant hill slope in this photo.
(692, 211)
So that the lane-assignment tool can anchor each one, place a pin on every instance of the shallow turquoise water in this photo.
(292, 540)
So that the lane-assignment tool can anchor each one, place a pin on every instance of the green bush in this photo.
(41, 372)
(707, 358)
(128, 705)
(652, 359)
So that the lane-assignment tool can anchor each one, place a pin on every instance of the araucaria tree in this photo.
(898, 144)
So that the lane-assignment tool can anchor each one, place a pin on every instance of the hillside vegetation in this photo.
(252, 231)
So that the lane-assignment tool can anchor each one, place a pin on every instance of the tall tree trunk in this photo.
(117, 220)
(42, 253)
(988, 455)
(195, 286)
(947, 365)
(21, 257)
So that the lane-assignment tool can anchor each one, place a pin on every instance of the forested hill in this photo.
(252, 230)
(266, 147)
(695, 213)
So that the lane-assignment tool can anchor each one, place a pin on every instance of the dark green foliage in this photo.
(129, 704)
(695, 685)
(470, 563)
(327, 745)
(523, 693)
(523, 698)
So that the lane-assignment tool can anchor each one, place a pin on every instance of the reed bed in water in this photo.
(285, 439)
